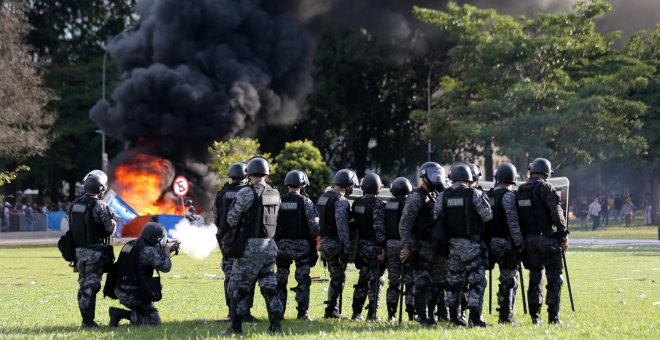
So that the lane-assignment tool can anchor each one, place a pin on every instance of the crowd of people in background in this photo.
(26, 208)
(597, 210)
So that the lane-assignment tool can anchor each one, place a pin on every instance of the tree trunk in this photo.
(655, 197)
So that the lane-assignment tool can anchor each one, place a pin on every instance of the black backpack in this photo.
(67, 247)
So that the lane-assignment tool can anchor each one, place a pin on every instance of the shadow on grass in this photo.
(633, 250)
(188, 329)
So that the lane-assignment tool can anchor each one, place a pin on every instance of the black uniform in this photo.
(543, 225)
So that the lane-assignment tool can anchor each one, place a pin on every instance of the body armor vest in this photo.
(260, 220)
(533, 213)
(498, 226)
(86, 231)
(393, 211)
(460, 216)
(224, 200)
(291, 221)
(128, 271)
(363, 213)
(326, 207)
(422, 228)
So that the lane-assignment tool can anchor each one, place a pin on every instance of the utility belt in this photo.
(549, 233)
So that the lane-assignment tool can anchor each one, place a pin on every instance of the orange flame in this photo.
(141, 183)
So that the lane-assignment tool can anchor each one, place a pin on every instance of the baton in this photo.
(403, 275)
(522, 287)
(343, 281)
(490, 291)
(568, 279)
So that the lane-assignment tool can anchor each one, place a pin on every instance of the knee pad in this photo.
(95, 287)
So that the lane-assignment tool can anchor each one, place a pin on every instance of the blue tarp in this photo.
(169, 221)
(121, 208)
(55, 219)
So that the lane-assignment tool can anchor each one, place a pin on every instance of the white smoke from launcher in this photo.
(196, 241)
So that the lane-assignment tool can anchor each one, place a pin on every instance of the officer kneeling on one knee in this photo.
(543, 225)
(297, 228)
(506, 241)
(92, 223)
(463, 211)
(368, 213)
(252, 220)
(136, 287)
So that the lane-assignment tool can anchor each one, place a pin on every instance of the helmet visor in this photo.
(435, 175)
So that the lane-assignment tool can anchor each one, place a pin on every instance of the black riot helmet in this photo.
(434, 175)
(237, 170)
(258, 166)
(400, 186)
(460, 172)
(93, 185)
(540, 165)
(296, 178)
(371, 184)
(346, 178)
(153, 233)
(506, 173)
(476, 172)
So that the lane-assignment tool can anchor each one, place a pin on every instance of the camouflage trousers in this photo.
(398, 271)
(142, 313)
(544, 252)
(507, 260)
(226, 266)
(330, 250)
(369, 278)
(89, 264)
(288, 252)
(430, 276)
(257, 263)
(466, 264)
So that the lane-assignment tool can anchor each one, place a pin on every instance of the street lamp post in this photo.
(428, 103)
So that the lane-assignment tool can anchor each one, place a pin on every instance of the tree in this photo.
(24, 122)
(645, 46)
(237, 149)
(303, 155)
(550, 86)
(71, 34)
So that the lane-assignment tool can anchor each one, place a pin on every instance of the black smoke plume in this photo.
(202, 70)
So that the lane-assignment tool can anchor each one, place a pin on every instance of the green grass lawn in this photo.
(615, 231)
(616, 293)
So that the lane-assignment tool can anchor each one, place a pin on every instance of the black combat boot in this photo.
(455, 317)
(117, 314)
(391, 311)
(372, 311)
(553, 315)
(358, 303)
(236, 327)
(275, 327)
(303, 315)
(410, 310)
(331, 311)
(505, 309)
(535, 313)
(475, 318)
(443, 311)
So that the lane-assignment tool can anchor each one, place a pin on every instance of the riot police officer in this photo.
(415, 229)
(505, 238)
(368, 214)
(463, 211)
(334, 214)
(254, 215)
(543, 225)
(297, 228)
(137, 261)
(397, 270)
(223, 200)
(91, 222)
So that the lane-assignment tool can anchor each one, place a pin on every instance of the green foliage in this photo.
(551, 86)
(7, 176)
(37, 285)
(303, 155)
(237, 149)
